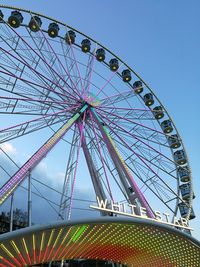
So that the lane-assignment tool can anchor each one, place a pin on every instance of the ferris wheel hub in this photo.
(92, 100)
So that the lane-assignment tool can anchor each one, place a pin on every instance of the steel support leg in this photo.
(11, 212)
(10, 186)
(96, 179)
(29, 200)
(122, 169)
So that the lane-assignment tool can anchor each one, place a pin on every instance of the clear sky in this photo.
(160, 40)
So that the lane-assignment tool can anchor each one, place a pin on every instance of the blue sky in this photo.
(160, 40)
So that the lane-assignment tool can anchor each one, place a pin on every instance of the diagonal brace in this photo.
(10, 186)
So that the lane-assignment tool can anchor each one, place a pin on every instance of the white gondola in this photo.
(184, 174)
(35, 24)
(174, 141)
(137, 87)
(179, 157)
(167, 126)
(15, 19)
(184, 211)
(158, 112)
(185, 191)
(148, 99)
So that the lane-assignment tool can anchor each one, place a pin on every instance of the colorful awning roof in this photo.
(133, 242)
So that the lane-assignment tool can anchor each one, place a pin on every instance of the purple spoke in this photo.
(137, 138)
(87, 89)
(69, 76)
(120, 164)
(81, 128)
(39, 118)
(129, 109)
(140, 124)
(30, 82)
(72, 49)
(105, 160)
(34, 100)
(23, 61)
(107, 81)
(38, 74)
(21, 38)
(142, 159)
(8, 188)
(101, 157)
(106, 98)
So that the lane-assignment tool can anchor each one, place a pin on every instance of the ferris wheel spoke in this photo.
(153, 157)
(139, 139)
(81, 130)
(88, 74)
(151, 187)
(92, 145)
(144, 161)
(114, 99)
(133, 113)
(161, 188)
(26, 56)
(26, 106)
(31, 91)
(62, 68)
(138, 170)
(9, 187)
(143, 168)
(144, 154)
(164, 196)
(101, 156)
(58, 79)
(76, 64)
(40, 56)
(43, 80)
(134, 122)
(121, 166)
(70, 64)
(69, 173)
(149, 138)
(30, 126)
(93, 170)
(108, 80)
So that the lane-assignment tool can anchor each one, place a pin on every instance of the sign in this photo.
(131, 210)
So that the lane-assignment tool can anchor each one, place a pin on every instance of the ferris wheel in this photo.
(60, 87)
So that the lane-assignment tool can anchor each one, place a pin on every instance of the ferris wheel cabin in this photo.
(15, 19)
(100, 54)
(184, 209)
(179, 157)
(85, 45)
(166, 126)
(53, 30)
(174, 141)
(184, 175)
(148, 99)
(70, 37)
(126, 75)
(186, 191)
(35, 24)
(158, 112)
(114, 64)
(137, 87)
